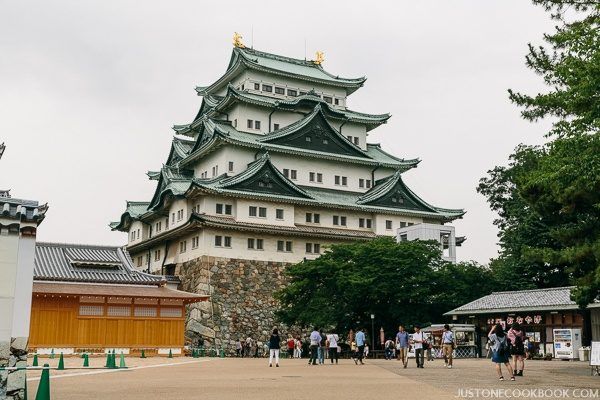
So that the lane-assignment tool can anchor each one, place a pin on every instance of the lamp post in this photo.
(373, 331)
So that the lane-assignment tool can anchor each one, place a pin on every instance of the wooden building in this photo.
(90, 298)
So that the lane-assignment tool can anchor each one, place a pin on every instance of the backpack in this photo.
(503, 348)
(518, 344)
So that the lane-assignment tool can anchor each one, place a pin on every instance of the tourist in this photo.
(353, 351)
(517, 348)
(428, 346)
(417, 342)
(360, 345)
(322, 347)
(447, 345)
(389, 349)
(402, 345)
(366, 351)
(332, 345)
(315, 340)
(274, 346)
(298, 349)
(248, 346)
(238, 348)
(291, 346)
(500, 352)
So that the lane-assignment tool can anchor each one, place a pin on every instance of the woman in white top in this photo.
(332, 345)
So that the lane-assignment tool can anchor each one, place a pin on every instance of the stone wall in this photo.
(12, 382)
(242, 299)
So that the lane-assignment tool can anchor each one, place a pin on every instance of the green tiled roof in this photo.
(216, 132)
(133, 210)
(279, 65)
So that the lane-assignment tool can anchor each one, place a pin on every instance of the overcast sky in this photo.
(89, 91)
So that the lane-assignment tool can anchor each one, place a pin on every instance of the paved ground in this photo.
(230, 378)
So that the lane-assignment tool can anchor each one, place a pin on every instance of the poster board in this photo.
(595, 354)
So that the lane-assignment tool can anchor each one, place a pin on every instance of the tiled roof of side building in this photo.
(22, 210)
(87, 263)
(534, 299)
(245, 58)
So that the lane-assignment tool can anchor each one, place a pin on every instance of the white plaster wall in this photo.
(23, 287)
(243, 212)
(176, 205)
(328, 168)
(241, 157)
(396, 220)
(9, 248)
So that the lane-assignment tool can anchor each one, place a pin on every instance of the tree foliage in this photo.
(570, 67)
(548, 197)
(406, 282)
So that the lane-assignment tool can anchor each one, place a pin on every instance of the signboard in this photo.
(595, 354)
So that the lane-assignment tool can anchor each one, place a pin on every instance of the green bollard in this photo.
(143, 354)
(52, 354)
(35, 360)
(170, 354)
(122, 361)
(61, 363)
(222, 353)
(86, 360)
(202, 351)
(43, 392)
(113, 360)
(107, 365)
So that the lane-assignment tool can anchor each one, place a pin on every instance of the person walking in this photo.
(298, 349)
(322, 347)
(332, 345)
(417, 341)
(402, 345)
(517, 349)
(500, 352)
(447, 345)
(291, 345)
(360, 344)
(315, 340)
(274, 346)
(238, 348)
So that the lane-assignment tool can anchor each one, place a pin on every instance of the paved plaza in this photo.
(231, 378)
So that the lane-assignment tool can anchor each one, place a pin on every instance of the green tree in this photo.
(570, 66)
(406, 282)
(547, 198)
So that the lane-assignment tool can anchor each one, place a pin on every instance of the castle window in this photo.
(294, 174)
(311, 176)
(317, 218)
(132, 236)
(368, 182)
(256, 124)
(139, 261)
(361, 183)
(308, 217)
(256, 86)
(284, 246)
(228, 209)
(219, 209)
(230, 166)
(356, 140)
(343, 221)
(267, 88)
(325, 141)
(156, 255)
(308, 139)
(361, 222)
(138, 233)
(411, 223)
(336, 219)
(337, 179)
(292, 92)
(328, 99)
(279, 90)
(337, 102)
(255, 244)
(319, 178)
(313, 248)
(302, 93)
(250, 243)
(279, 213)
(235, 123)
(369, 222)
(158, 226)
(183, 246)
(262, 212)
(195, 242)
(252, 211)
(250, 124)
(344, 181)
(218, 241)
(275, 126)
(227, 241)
(402, 224)
(259, 244)
(388, 224)
(286, 172)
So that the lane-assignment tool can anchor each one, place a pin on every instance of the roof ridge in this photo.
(278, 57)
(532, 290)
(77, 245)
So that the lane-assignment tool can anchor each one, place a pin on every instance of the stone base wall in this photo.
(242, 301)
(13, 354)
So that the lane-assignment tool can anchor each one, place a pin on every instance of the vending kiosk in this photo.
(567, 343)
